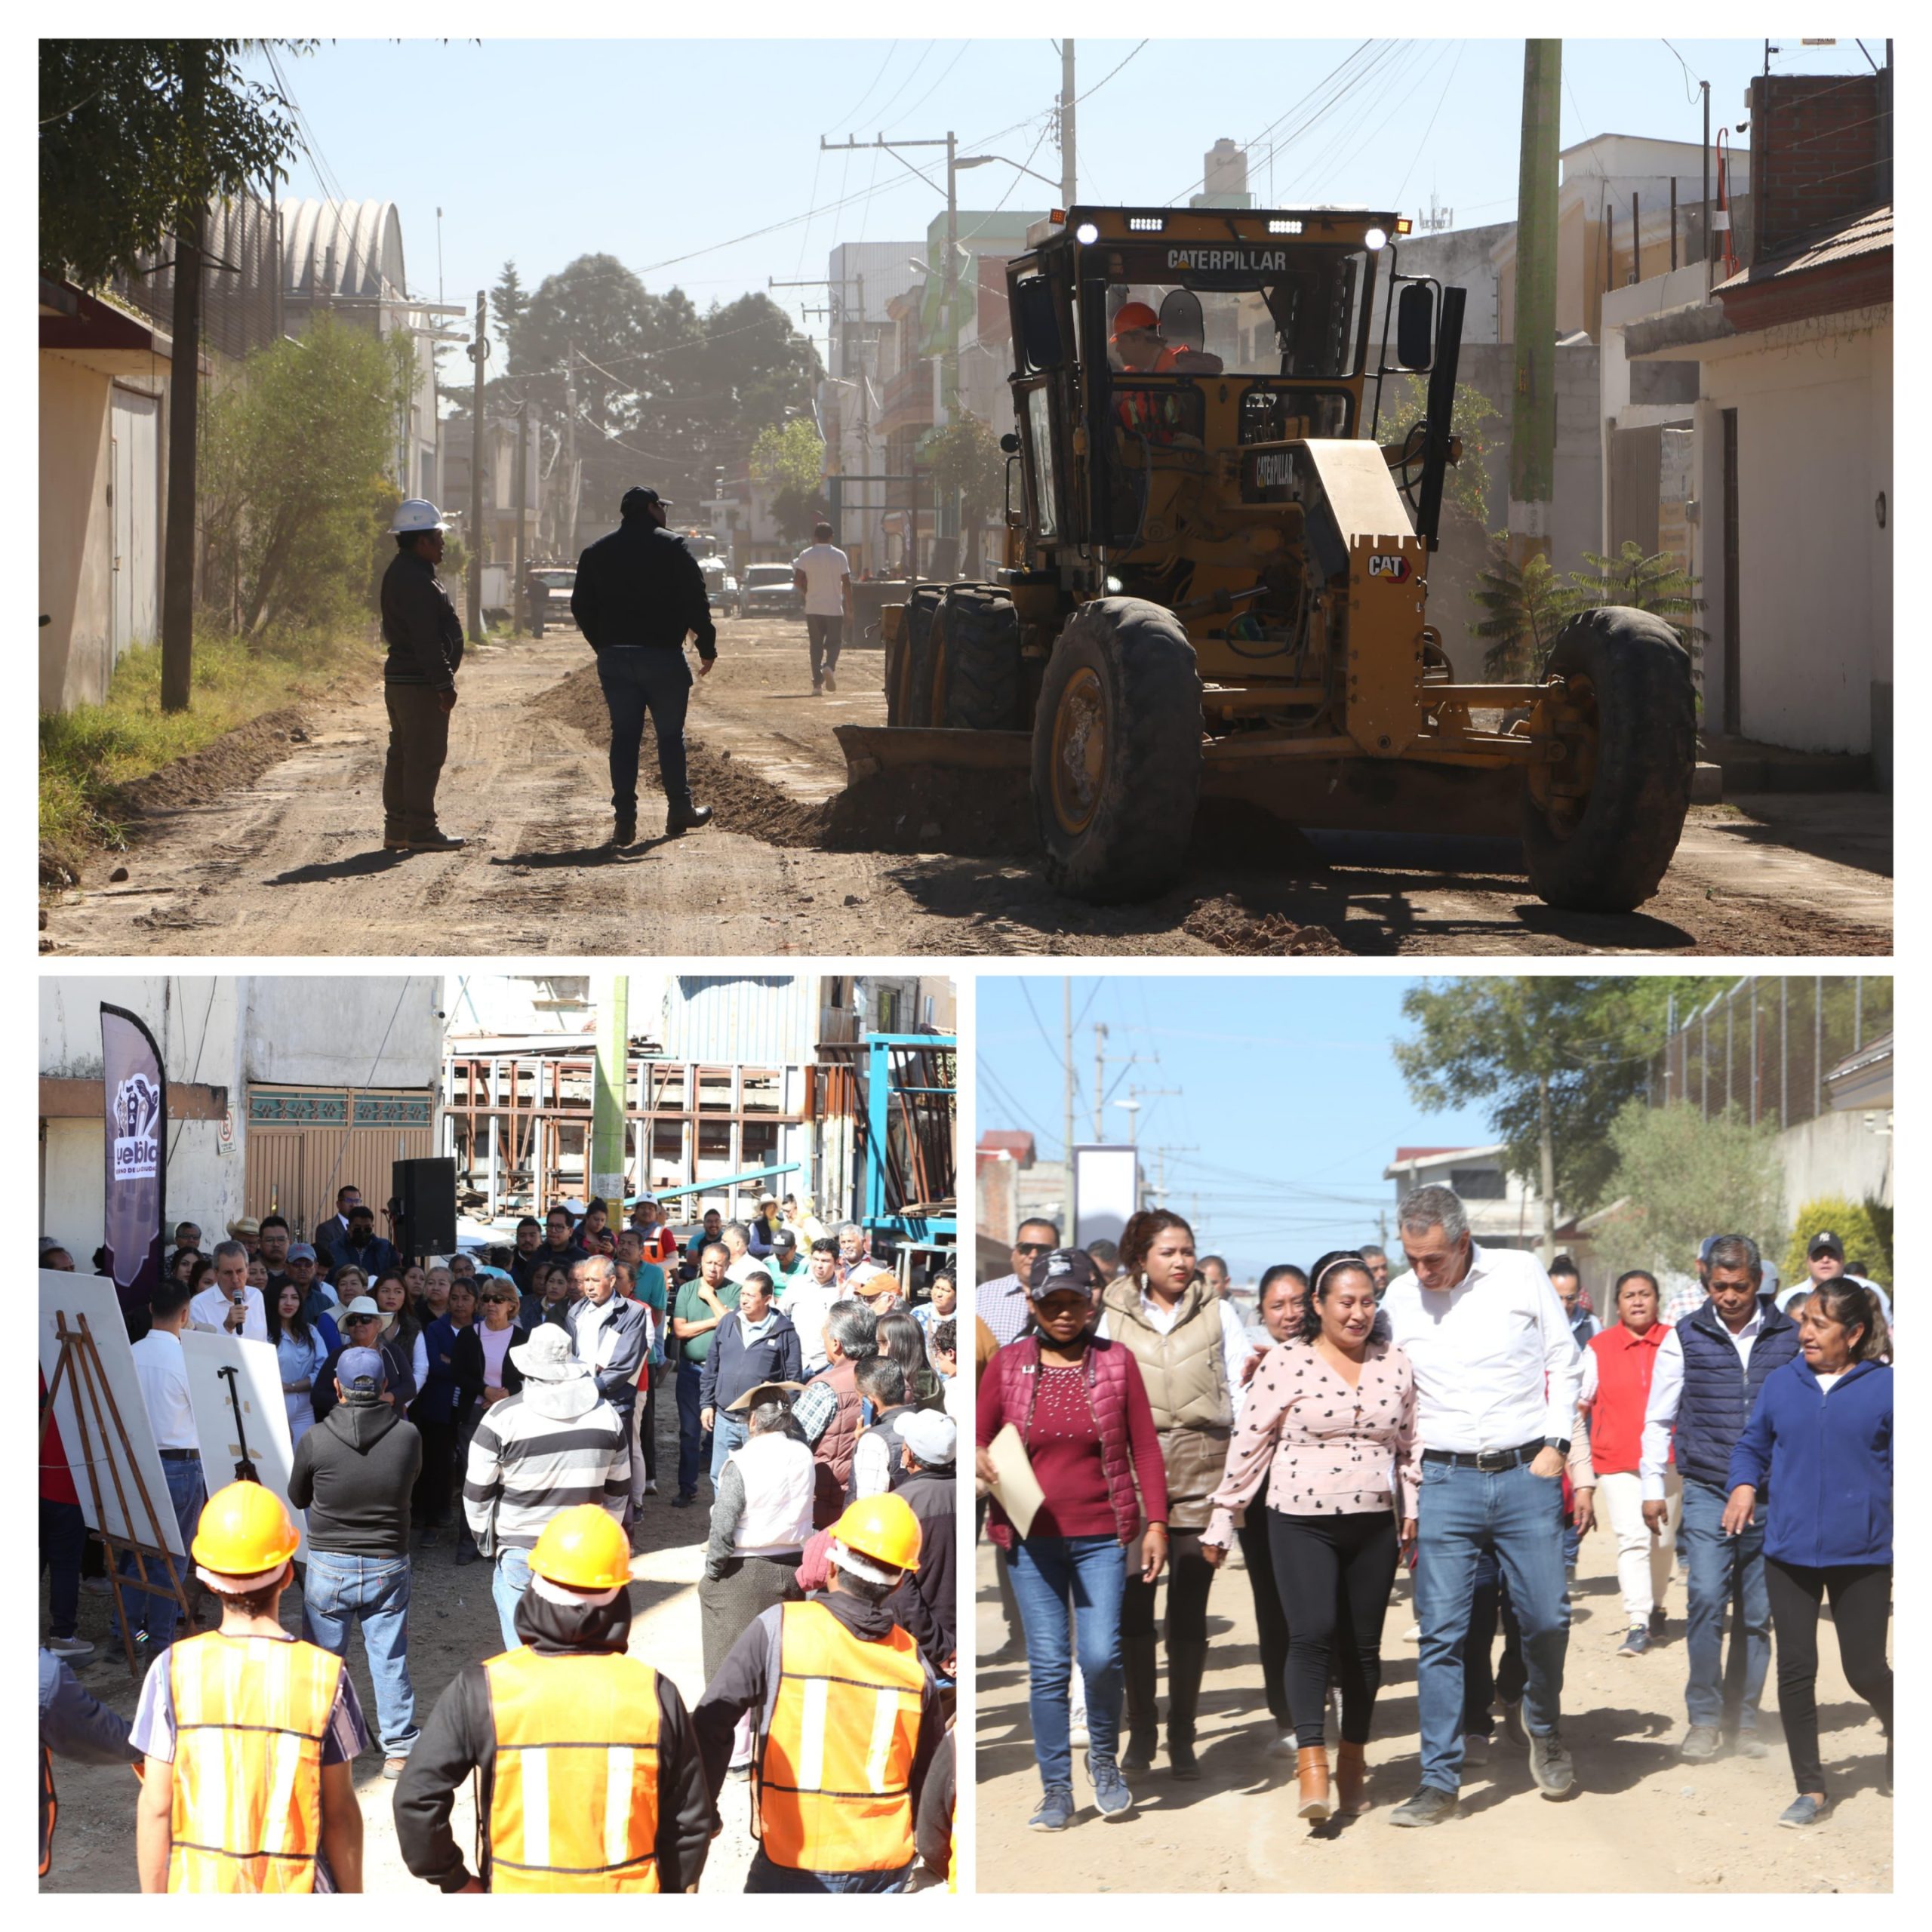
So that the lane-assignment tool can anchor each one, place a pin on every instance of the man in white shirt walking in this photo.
(231, 1304)
(823, 575)
(1497, 1375)
(162, 1372)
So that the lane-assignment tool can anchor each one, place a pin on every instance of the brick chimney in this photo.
(1821, 153)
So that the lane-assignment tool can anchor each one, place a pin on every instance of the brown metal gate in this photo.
(304, 1142)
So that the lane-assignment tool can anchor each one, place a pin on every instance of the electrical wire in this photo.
(965, 45)
(1104, 78)
(1396, 200)
(1058, 1058)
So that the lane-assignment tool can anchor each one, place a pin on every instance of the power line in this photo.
(1422, 144)
(1058, 1058)
(963, 46)
(1104, 78)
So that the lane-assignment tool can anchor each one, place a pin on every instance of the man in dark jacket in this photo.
(927, 1603)
(754, 1343)
(555, 1619)
(353, 1473)
(1703, 1387)
(638, 592)
(425, 638)
(361, 1247)
(73, 1724)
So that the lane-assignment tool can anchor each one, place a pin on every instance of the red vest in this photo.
(1624, 1364)
(1017, 1368)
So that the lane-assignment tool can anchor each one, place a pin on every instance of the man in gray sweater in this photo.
(353, 1473)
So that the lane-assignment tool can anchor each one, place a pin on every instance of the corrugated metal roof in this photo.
(359, 242)
(1868, 234)
(744, 1020)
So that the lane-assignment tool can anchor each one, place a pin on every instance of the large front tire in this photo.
(920, 655)
(981, 660)
(1117, 739)
(1600, 827)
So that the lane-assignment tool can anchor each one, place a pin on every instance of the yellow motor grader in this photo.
(1216, 579)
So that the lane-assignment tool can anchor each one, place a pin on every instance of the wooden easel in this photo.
(91, 1388)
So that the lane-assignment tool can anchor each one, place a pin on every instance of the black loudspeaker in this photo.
(425, 1193)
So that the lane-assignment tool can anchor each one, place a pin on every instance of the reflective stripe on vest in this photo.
(250, 1716)
(836, 1764)
(574, 1801)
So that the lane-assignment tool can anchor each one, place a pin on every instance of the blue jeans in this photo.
(374, 1592)
(1724, 1569)
(509, 1578)
(1465, 1513)
(691, 1429)
(658, 681)
(149, 1610)
(727, 1432)
(1053, 1577)
(765, 1876)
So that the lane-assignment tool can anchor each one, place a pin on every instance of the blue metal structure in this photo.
(881, 1087)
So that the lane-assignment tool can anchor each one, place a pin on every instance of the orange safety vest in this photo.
(250, 1716)
(834, 1768)
(574, 1805)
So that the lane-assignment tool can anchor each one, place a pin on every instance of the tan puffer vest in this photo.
(1186, 1381)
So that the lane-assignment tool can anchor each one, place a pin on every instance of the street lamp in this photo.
(1132, 1110)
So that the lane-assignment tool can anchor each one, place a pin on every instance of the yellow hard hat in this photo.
(584, 1548)
(883, 1527)
(245, 1532)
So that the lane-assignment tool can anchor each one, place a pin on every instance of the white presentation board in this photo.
(1106, 1191)
(264, 1414)
(74, 1296)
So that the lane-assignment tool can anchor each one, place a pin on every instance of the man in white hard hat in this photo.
(425, 638)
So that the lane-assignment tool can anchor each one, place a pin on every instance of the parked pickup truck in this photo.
(769, 591)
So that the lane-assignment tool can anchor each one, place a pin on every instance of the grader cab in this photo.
(1216, 579)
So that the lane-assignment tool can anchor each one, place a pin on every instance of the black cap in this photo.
(637, 500)
(1065, 1268)
(1824, 1242)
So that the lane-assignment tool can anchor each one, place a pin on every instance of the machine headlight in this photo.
(1086, 235)
(1375, 238)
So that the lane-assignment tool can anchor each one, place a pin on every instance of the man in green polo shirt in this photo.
(700, 1305)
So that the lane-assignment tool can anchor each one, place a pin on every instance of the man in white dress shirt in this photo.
(1497, 1376)
(162, 1372)
(231, 1304)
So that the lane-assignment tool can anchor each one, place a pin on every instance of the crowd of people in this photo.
(1459, 1420)
(505, 1403)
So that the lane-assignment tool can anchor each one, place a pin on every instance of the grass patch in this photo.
(89, 754)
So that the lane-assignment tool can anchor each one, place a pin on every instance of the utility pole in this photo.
(1532, 413)
(177, 570)
(479, 354)
(1067, 176)
(604, 1169)
(570, 443)
(1099, 1076)
(1066, 1031)
(1705, 86)
(520, 493)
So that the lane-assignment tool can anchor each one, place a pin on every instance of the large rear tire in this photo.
(916, 689)
(1117, 737)
(981, 685)
(1601, 827)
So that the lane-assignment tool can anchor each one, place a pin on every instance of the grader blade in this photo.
(872, 749)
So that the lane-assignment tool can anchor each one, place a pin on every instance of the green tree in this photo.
(1678, 1176)
(508, 301)
(1853, 1225)
(1526, 605)
(1555, 1056)
(1466, 483)
(791, 457)
(1658, 583)
(965, 459)
(296, 452)
(137, 137)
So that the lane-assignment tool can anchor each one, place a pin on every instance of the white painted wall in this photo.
(1813, 408)
(343, 1030)
(76, 651)
(1836, 1154)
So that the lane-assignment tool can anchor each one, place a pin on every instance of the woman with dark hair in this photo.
(1283, 1294)
(201, 1273)
(1819, 1439)
(1079, 1407)
(398, 1329)
(300, 1354)
(181, 1263)
(899, 1336)
(1191, 1348)
(1331, 1415)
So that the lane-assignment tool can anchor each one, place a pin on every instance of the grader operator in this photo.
(1217, 578)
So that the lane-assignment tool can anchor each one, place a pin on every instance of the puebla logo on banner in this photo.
(136, 1117)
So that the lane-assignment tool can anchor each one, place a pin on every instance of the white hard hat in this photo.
(415, 513)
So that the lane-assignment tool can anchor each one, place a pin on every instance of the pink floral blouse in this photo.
(1325, 1449)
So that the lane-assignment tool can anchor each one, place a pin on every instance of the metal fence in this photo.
(1765, 1046)
(241, 247)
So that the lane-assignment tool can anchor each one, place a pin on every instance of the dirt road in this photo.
(275, 849)
(1642, 1821)
(453, 1621)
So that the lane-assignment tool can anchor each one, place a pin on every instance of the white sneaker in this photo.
(1285, 1744)
(1413, 1635)
(650, 1488)
(1475, 1747)
(1077, 1736)
(831, 682)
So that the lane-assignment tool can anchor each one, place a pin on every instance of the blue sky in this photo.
(1290, 1104)
(658, 151)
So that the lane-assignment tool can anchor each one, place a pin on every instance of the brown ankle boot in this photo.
(1312, 1771)
(1350, 1778)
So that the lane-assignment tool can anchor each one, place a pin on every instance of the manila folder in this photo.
(1014, 1484)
